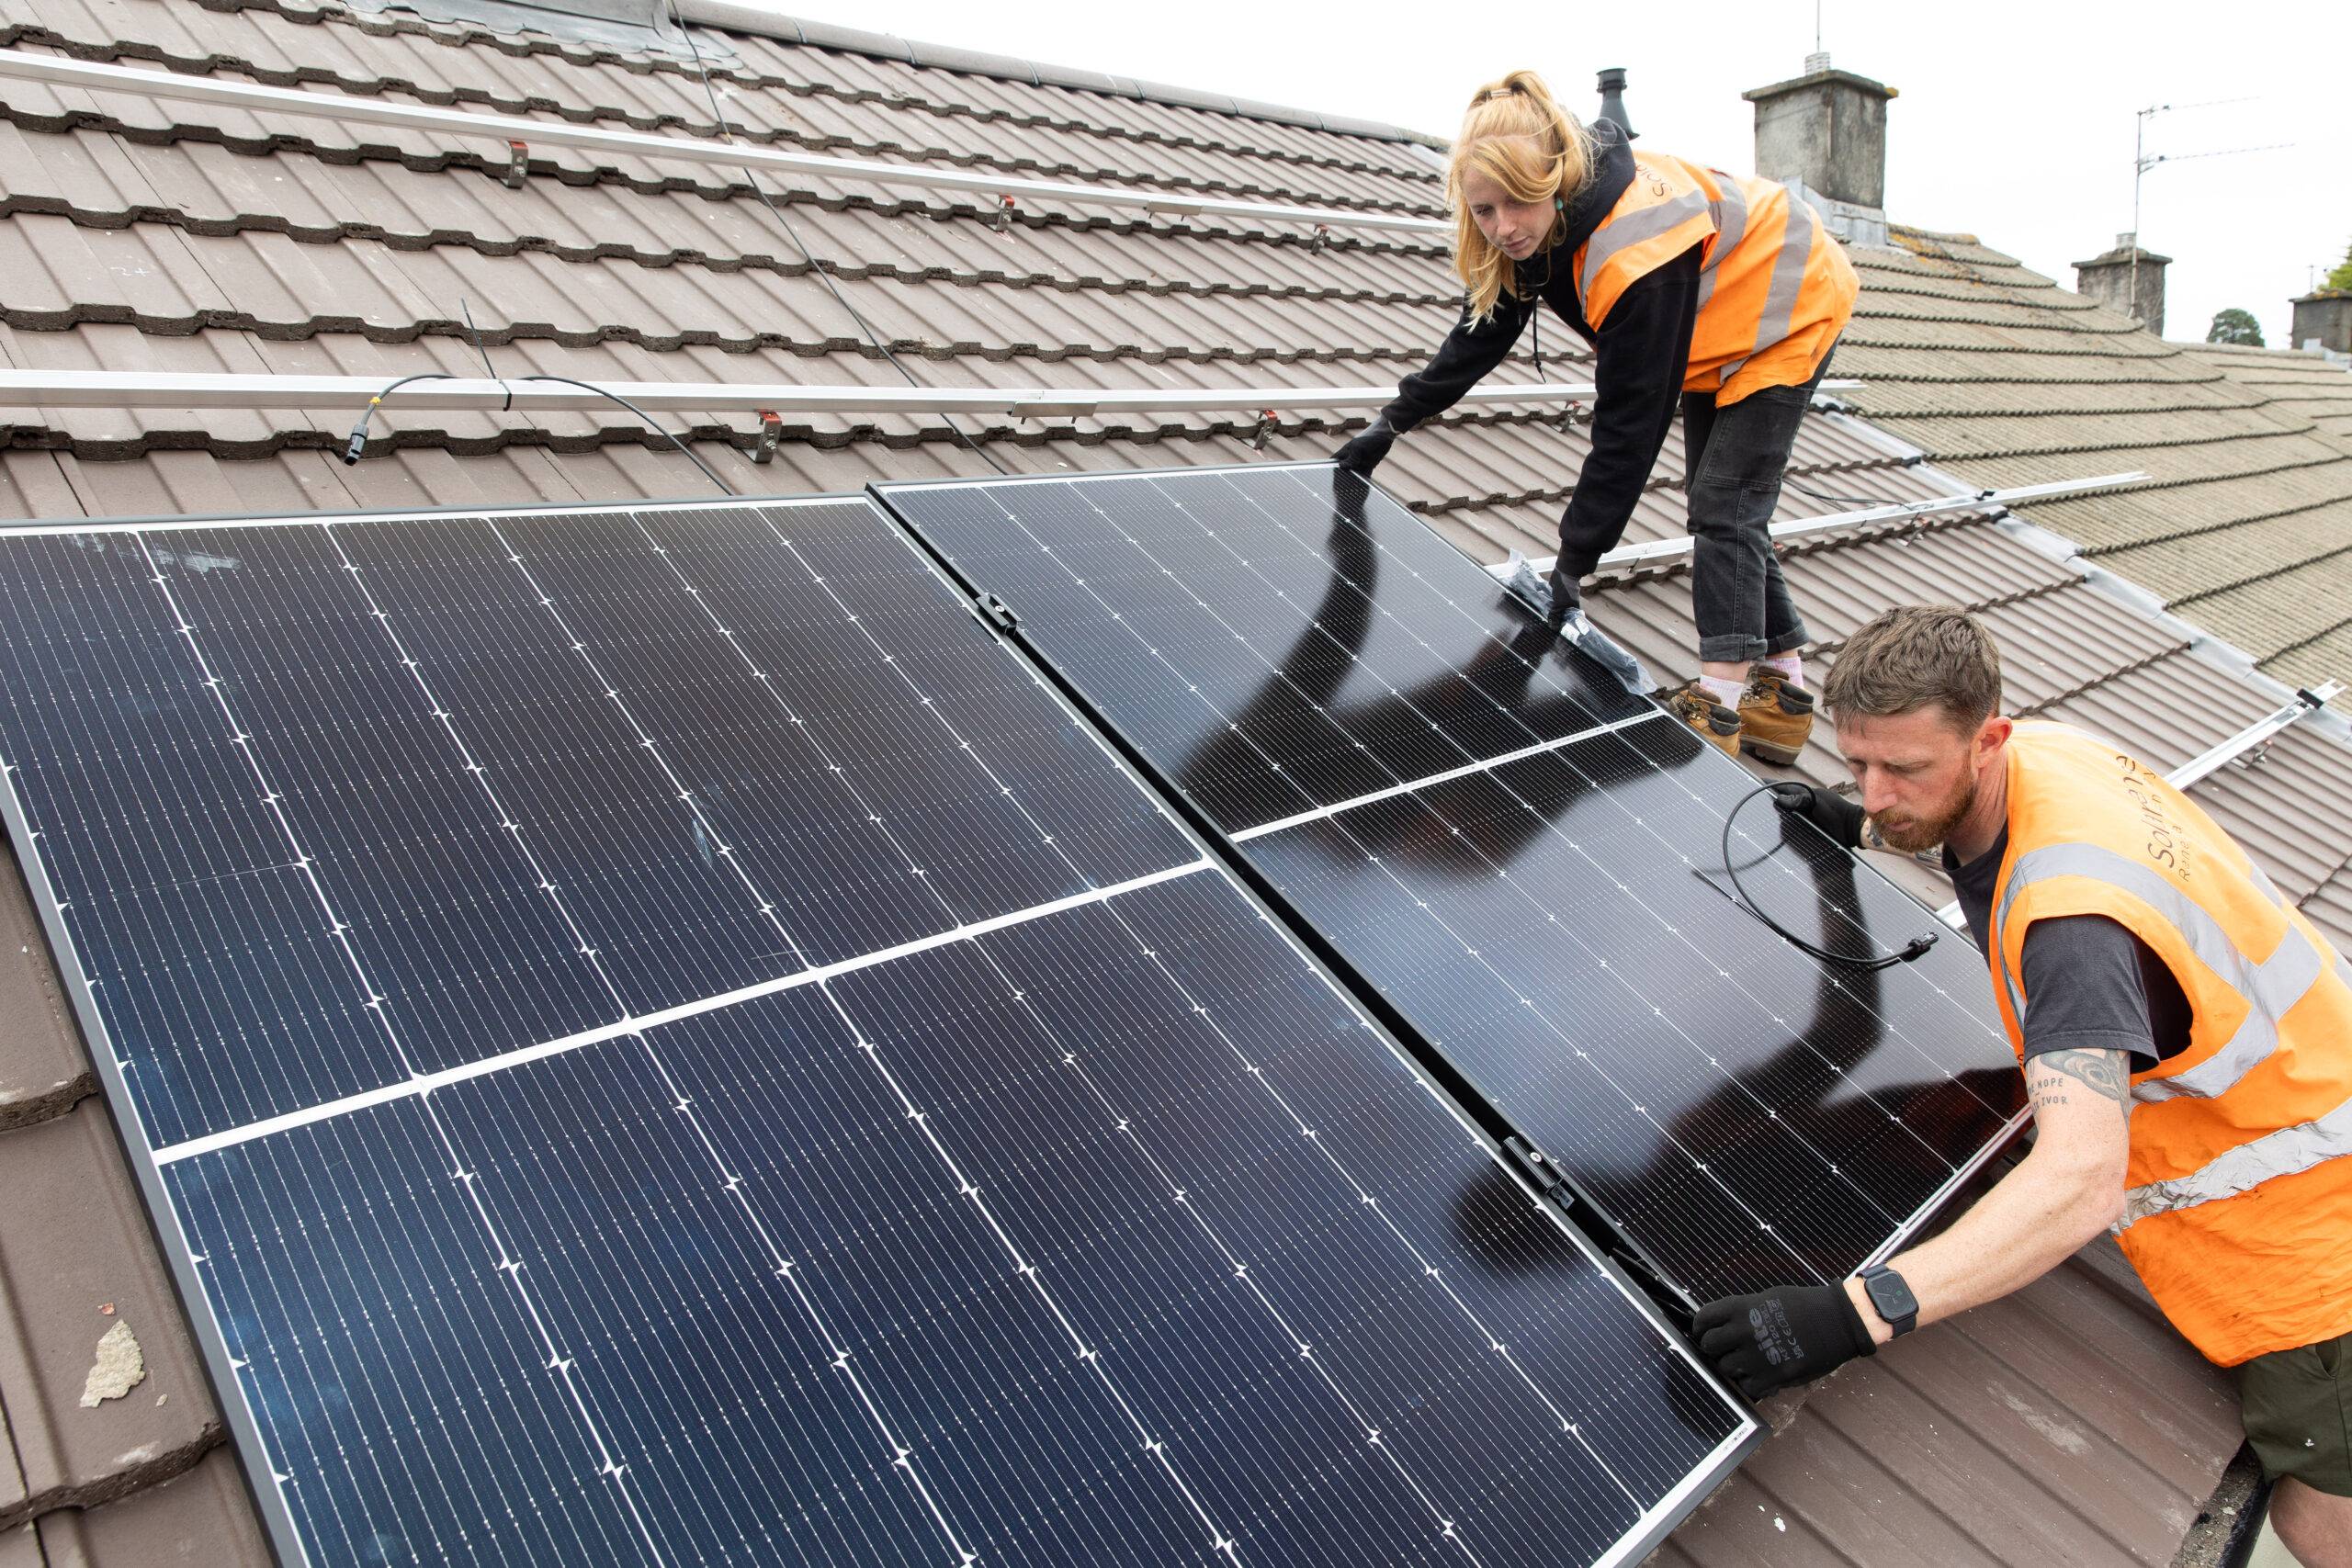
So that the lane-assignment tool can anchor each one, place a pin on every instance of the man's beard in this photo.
(1922, 833)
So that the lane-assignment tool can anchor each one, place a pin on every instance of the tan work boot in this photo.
(1775, 716)
(1714, 723)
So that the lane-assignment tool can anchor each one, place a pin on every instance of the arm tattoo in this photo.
(2051, 1076)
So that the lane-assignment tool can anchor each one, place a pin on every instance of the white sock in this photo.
(1790, 664)
(1724, 691)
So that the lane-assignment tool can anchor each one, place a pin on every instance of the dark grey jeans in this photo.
(1736, 458)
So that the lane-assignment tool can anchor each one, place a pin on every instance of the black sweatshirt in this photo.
(1641, 352)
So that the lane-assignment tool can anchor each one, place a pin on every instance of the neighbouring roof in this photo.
(171, 237)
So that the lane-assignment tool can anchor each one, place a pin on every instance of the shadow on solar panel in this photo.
(1513, 856)
(651, 1035)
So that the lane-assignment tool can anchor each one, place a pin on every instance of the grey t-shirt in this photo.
(2090, 984)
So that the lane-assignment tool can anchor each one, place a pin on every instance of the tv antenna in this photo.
(2143, 160)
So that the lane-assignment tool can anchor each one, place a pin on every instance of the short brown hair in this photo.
(1913, 655)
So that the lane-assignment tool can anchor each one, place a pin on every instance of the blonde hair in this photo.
(1517, 136)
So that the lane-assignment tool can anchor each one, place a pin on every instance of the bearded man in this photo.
(2186, 1036)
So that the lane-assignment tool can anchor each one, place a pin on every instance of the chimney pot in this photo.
(1612, 100)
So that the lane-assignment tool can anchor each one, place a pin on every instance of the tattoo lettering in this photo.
(2052, 1074)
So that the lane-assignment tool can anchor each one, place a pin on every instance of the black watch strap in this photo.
(1892, 1297)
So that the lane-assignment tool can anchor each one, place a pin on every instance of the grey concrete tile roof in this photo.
(167, 236)
(2017, 380)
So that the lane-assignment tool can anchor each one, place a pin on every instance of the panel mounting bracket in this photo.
(995, 611)
(1532, 1163)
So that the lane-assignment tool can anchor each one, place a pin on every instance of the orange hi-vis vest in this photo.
(1775, 288)
(2238, 1210)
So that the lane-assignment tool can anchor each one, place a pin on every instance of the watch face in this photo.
(1890, 1296)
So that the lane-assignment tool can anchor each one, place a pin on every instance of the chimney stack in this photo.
(1824, 134)
(2324, 322)
(1612, 100)
(2127, 278)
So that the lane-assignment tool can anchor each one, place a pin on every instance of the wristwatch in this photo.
(1893, 1298)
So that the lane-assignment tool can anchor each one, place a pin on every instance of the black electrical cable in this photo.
(658, 429)
(489, 369)
(727, 132)
(1803, 489)
(1912, 950)
(359, 441)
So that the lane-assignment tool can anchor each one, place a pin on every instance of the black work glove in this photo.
(1363, 454)
(1568, 597)
(1826, 809)
(1553, 598)
(1775, 1339)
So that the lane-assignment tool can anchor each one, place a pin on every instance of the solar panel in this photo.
(651, 1035)
(1518, 857)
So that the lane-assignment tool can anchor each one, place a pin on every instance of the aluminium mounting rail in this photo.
(2307, 701)
(55, 71)
(230, 390)
(1667, 549)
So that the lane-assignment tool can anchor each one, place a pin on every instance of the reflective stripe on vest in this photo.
(2271, 987)
(2286, 1152)
(1621, 234)
(1788, 277)
(1730, 213)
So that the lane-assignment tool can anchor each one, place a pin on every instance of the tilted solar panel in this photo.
(1514, 852)
(650, 1036)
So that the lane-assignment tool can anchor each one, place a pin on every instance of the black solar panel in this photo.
(652, 1037)
(1514, 852)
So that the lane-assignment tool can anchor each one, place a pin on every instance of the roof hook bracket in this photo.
(1267, 420)
(1002, 221)
(518, 160)
(771, 434)
(1321, 239)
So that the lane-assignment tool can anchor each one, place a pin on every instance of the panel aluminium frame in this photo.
(221, 1364)
(1964, 1168)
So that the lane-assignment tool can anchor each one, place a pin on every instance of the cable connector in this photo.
(1002, 221)
(1267, 420)
(518, 164)
(771, 433)
(359, 441)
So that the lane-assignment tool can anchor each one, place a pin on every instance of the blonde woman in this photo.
(1693, 285)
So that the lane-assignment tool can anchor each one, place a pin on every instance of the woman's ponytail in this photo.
(1519, 136)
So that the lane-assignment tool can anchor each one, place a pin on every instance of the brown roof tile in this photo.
(2100, 1436)
(202, 1519)
(75, 1261)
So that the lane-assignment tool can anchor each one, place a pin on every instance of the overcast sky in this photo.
(2015, 120)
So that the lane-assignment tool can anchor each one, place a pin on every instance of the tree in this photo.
(2234, 325)
(2342, 276)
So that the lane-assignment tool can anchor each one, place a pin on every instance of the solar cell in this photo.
(652, 1037)
(1523, 859)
